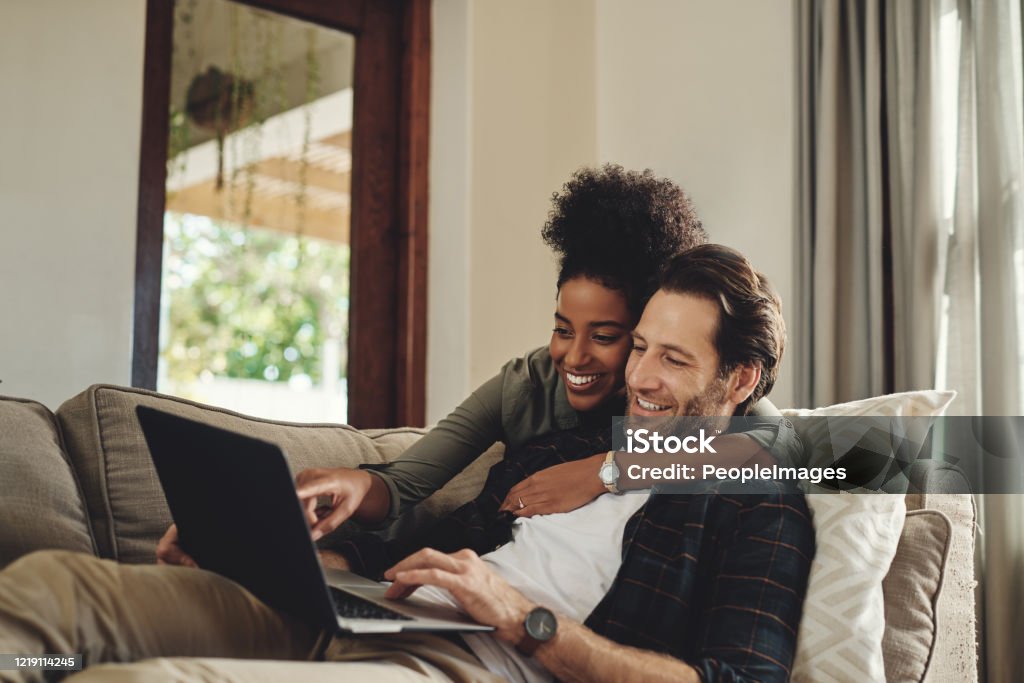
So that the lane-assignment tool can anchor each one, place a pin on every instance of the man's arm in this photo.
(756, 586)
(578, 654)
(755, 589)
(575, 653)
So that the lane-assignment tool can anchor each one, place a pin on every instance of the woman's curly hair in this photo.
(618, 227)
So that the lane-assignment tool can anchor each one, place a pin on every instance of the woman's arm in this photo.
(559, 488)
(374, 494)
(443, 452)
(571, 485)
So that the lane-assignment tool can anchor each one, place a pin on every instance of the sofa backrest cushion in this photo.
(121, 488)
(40, 500)
(912, 588)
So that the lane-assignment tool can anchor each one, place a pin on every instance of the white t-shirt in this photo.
(565, 562)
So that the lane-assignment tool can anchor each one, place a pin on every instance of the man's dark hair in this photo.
(617, 228)
(750, 325)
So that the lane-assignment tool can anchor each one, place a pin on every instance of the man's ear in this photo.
(742, 382)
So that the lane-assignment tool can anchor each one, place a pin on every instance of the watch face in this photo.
(541, 624)
(608, 473)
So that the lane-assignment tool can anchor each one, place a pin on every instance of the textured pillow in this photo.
(843, 621)
(911, 590)
(40, 500)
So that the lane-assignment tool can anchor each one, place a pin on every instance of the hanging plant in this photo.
(183, 57)
(312, 93)
(221, 103)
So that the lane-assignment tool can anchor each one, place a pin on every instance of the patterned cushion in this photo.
(843, 620)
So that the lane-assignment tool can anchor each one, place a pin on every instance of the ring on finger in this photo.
(521, 503)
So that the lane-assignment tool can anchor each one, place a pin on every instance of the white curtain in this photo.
(985, 290)
(911, 239)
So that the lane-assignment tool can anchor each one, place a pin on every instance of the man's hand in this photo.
(478, 589)
(349, 493)
(575, 654)
(559, 488)
(169, 552)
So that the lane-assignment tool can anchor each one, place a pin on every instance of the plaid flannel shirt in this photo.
(715, 580)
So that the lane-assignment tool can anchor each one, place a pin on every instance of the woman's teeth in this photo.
(647, 405)
(580, 380)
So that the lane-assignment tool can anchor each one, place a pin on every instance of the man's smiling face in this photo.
(673, 369)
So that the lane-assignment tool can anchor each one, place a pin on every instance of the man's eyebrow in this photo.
(671, 347)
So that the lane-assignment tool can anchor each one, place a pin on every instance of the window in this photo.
(224, 206)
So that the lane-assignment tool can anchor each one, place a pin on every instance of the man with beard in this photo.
(701, 586)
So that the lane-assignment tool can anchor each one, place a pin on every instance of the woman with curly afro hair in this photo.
(611, 230)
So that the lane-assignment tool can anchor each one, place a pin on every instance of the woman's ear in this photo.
(742, 382)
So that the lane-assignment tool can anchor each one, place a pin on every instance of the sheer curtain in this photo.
(985, 292)
(911, 247)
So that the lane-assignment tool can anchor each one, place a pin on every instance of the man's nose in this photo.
(642, 375)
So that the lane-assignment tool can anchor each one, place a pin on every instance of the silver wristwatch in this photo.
(609, 473)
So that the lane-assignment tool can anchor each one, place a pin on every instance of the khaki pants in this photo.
(62, 602)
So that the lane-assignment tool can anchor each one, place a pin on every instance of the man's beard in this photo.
(699, 412)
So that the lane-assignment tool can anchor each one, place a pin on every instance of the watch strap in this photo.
(612, 487)
(528, 645)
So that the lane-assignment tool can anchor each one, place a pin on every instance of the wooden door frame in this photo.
(388, 297)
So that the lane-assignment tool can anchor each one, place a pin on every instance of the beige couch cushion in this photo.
(912, 589)
(40, 501)
(121, 489)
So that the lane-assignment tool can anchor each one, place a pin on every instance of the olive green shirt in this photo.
(524, 401)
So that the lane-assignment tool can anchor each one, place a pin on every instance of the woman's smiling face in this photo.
(591, 342)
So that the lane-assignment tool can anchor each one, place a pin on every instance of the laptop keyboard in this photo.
(354, 607)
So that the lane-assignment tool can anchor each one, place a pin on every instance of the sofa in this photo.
(81, 479)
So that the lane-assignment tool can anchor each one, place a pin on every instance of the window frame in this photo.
(390, 136)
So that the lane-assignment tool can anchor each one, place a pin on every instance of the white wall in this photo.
(449, 207)
(703, 91)
(523, 93)
(71, 78)
(513, 115)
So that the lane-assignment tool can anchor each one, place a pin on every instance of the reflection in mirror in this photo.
(255, 282)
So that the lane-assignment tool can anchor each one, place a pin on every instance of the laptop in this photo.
(234, 501)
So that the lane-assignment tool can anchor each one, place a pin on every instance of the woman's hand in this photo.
(348, 493)
(169, 552)
(559, 488)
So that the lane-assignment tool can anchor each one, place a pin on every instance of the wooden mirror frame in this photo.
(388, 298)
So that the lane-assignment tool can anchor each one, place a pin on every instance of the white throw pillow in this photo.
(927, 403)
(878, 428)
(843, 621)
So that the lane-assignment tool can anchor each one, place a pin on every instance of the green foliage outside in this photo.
(250, 303)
